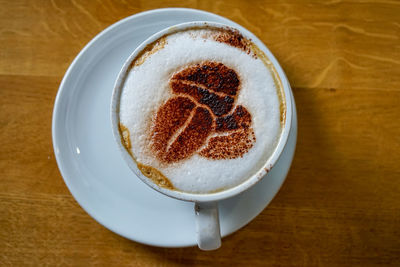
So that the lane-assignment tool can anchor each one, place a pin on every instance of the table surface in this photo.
(340, 204)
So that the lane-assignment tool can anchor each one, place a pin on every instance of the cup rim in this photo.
(230, 192)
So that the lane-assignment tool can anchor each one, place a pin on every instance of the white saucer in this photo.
(92, 166)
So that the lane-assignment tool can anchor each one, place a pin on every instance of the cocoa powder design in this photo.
(202, 116)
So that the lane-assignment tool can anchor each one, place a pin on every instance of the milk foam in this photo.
(146, 88)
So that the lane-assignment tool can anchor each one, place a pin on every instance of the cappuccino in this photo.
(201, 110)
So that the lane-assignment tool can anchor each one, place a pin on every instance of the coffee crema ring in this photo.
(202, 116)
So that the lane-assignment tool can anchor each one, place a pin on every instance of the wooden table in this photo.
(340, 205)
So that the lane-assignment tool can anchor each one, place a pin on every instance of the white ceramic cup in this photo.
(206, 205)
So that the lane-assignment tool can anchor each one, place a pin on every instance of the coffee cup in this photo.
(183, 108)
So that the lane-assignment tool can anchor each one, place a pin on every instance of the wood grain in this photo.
(340, 205)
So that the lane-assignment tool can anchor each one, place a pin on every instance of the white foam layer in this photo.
(147, 88)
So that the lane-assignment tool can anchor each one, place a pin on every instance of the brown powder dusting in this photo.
(192, 137)
(219, 105)
(229, 146)
(214, 76)
(170, 117)
(184, 123)
(235, 39)
(240, 118)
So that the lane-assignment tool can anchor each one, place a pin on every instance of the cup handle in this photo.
(207, 225)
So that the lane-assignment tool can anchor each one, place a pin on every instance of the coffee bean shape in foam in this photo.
(183, 123)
